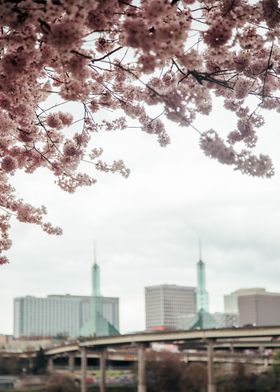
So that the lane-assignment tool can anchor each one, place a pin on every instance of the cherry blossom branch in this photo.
(73, 49)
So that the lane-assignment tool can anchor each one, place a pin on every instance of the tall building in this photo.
(50, 316)
(202, 302)
(202, 319)
(259, 309)
(68, 315)
(231, 300)
(166, 304)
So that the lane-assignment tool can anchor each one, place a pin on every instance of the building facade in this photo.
(61, 315)
(231, 300)
(167, 304)
(261, 309)
(68, 315)
(50, 316)
(226, 320)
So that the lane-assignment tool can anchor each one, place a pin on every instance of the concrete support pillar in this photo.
(141, 369)
(261, 350)
(50, 365)
(30, 363)
(102, 365)
(83, 369)
(71, 363)
(210, 368)
(266, 362)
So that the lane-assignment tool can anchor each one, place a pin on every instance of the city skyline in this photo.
(96, 284)
(150, 222)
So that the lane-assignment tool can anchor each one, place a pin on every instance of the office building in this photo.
(231, 300)
(63, 315)
(166, 304)
(50, 316)
(68, 315)
(259, 309)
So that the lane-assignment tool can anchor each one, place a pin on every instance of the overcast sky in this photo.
(147, 226)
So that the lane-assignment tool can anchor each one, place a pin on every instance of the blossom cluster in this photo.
(141, 61)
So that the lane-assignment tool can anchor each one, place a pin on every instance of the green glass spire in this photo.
(97, 324)
(201, 294)
(202, 319)
(95, 282)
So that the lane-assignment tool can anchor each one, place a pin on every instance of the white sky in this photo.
(147, 226)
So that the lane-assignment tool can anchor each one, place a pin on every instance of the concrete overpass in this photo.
(243, 336)
(211, 340)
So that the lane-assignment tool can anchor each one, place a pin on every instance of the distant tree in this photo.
(60, 383)
(276, 364)
(243, 382)
(238, 381)
(163, 372)
(194, 378)
(267, 382)
(166, 372)
(169, 373)
(40, 362)
(123, 57)
(11, 366)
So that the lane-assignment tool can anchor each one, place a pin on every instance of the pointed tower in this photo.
(95, 277)
(203, 319)
(201, 294)
(96, 295)
(97, 324)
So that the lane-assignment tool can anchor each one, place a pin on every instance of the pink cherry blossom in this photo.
(8, 164)
(141, 61)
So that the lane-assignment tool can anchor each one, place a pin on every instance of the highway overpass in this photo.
(209, 339)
